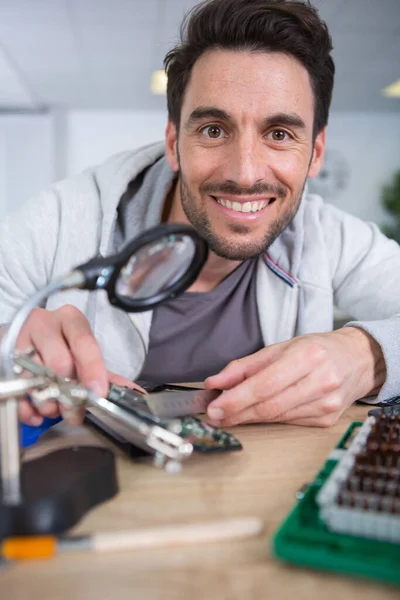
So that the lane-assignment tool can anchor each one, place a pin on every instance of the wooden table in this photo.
(259, 481)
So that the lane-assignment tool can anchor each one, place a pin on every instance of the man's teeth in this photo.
(245, 207)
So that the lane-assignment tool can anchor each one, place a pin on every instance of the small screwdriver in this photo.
(22, 548)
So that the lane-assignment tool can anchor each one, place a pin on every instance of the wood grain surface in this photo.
(260, 481)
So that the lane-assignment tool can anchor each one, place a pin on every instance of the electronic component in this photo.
(203, 437)
(181, 404)
(362, 495)
(348, 519)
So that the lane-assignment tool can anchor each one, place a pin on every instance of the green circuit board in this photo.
(204, 438)
(348, 519)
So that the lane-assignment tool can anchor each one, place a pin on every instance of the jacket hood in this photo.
(113, 177)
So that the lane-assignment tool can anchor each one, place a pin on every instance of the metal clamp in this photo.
(43, 385)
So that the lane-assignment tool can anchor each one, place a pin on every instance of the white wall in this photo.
(370, 145)
(26, 157)
(92, 136)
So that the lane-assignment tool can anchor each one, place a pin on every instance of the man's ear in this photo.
(318, 154)
(171, 146)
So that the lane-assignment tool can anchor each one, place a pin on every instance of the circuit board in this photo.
(205, 438)
(202, 436)
(348, 518)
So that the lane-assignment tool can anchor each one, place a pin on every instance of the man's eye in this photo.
(279, 135)
(213, 131)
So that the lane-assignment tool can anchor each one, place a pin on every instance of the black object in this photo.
(152, 387)
(102, 273)
(58, 489)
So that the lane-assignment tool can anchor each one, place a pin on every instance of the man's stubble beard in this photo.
(225, 248)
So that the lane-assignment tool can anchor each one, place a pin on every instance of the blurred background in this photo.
(75, 87)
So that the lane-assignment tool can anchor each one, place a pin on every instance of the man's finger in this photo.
(53, 350)
(288, 369)
(50, 408)
(274, 409)
(318, 390)
(25, 343)
(119, 380)
(321, 412)
(89, 364)
(28, 414)
(324, 407)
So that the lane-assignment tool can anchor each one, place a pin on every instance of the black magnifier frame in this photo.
(102, 273)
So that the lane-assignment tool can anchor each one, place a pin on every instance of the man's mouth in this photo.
(245, 206)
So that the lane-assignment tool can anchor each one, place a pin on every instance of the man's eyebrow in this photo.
(288, 119)
(206, 112)
(212, 112)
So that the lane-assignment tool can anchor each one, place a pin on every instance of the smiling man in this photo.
(249, 91)
(243, 158)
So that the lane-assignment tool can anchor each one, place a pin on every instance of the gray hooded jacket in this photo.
(324, 258)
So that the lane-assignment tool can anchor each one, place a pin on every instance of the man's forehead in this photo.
(225, 60)
(249, 81)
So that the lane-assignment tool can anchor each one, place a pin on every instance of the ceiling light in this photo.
(159, 82)
(392, 90)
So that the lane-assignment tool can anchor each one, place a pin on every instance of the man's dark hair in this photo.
(288, 26)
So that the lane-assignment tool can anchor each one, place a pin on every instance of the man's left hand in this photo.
(308, 380)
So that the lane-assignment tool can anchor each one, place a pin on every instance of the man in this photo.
(249, 91)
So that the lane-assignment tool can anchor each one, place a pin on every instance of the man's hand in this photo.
(65, 343)
(308, 380)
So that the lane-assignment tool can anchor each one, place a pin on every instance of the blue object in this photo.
(30, 435)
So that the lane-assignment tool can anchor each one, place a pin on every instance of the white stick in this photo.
(177, 535)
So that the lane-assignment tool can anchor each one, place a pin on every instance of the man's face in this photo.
(245, 148)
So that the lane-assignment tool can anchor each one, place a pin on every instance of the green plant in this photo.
(391, 201)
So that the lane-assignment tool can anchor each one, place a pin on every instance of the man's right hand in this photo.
(65, 343)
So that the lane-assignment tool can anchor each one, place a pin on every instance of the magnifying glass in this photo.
(157, 265)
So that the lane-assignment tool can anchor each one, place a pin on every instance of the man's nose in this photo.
(247, 162)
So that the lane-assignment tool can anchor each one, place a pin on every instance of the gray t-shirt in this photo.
(196, 334)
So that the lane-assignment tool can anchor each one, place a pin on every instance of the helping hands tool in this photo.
(51, 493)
